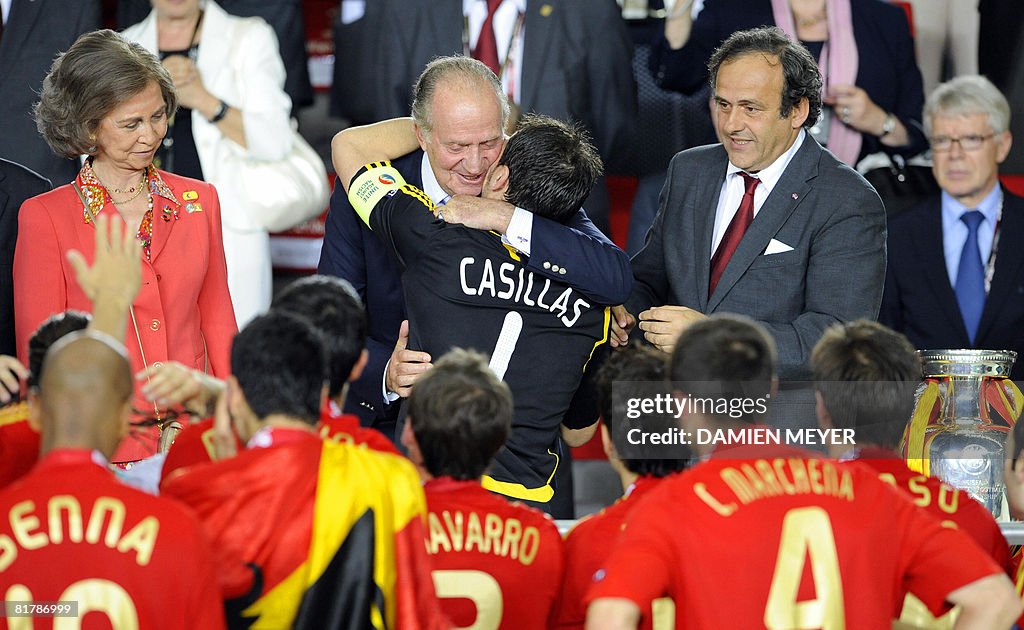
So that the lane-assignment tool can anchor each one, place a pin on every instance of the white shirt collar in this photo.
(771, 174)
(430, 184)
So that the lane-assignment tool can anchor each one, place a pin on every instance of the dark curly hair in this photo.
(800, 74)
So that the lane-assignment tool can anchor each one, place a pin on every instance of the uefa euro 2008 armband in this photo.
(373, 182)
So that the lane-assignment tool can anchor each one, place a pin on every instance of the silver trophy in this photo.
(965, 440)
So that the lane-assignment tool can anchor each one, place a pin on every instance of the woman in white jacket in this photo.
(229, 79)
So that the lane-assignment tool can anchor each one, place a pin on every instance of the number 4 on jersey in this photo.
(806, 536)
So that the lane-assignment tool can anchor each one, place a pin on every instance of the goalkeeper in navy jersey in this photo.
(467, 288)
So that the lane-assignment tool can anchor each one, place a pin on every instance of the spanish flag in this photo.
(316, 534)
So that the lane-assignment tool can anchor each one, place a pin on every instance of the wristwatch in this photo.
(888, 126)
(222, 111)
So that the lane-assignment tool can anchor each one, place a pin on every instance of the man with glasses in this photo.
(954, 274)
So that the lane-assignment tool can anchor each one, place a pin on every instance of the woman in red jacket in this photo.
(111, 99)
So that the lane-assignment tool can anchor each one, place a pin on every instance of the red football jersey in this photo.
(950, 505)
(340, 427)
(809, 543)
(587, 548)
(496, 564)
(19, 443)
(194, 445)
(327, 530)
(71, 532)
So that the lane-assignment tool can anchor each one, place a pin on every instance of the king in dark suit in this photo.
(460, 113)
(767, 224)
(954, 277)
(568, 59)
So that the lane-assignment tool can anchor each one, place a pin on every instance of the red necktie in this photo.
(486, 45)
(734, 233)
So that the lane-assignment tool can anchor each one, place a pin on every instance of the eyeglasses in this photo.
(972, 142)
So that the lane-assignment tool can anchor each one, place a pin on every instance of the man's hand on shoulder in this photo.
(477, 213)
(662, 325)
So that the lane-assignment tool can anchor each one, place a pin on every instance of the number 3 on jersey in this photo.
(806, 535)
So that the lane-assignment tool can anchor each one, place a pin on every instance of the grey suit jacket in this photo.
(825, 211)
(35, 32)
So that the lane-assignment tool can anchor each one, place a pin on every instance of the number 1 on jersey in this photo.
(506, 344)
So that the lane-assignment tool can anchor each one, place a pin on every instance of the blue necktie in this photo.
(970, 276)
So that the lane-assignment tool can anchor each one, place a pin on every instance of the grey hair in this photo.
(100, 71)
(966, 95)
(466, 70)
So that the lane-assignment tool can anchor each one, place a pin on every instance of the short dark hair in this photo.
(866, 374)
(281, 366)
(552, 167)
(100, 71)
(630, 368)
(461, 415)
(801, 77)
(725, 356)
(55, 327)
(335, 310)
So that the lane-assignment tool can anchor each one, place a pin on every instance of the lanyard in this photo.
(990, 265)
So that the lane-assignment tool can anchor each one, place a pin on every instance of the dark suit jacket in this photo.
(35, 32)
(919, 300)
(17, 184)
(351, 251)
(824, 210)
(887, 68)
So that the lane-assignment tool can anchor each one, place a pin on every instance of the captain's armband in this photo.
(370, 185)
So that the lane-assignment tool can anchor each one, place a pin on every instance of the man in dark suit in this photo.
(17, 184)
(568, 59)
(33, 33)
(954, 276)
(767, 224)
(460, 110)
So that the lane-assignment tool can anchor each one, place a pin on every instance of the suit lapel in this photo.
(709, 189)
(789, 192)
(538, 32)
(1009, 258)
(20, 23)
(928, 251)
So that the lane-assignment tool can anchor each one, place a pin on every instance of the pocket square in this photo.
(776, 247)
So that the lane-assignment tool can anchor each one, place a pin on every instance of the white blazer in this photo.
(240, 64)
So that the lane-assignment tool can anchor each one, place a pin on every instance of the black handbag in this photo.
(901, 185)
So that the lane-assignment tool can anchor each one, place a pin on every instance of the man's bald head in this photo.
(86, 387)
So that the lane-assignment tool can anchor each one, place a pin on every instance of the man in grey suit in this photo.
(767, 224)
(568, 59)
(34, 31)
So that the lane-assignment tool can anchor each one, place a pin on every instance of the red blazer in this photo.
(183, 309)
